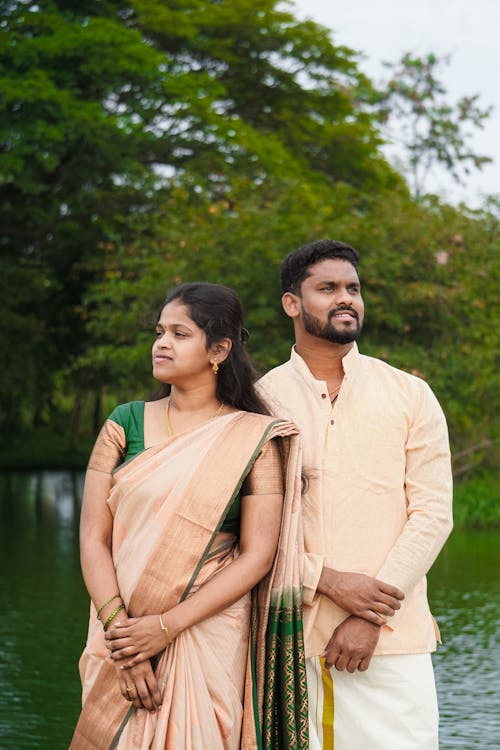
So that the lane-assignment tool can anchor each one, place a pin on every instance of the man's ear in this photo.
(291, 304)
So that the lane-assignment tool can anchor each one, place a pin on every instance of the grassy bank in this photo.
(476, 500)
(44, 451)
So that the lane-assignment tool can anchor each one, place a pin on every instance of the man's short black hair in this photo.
(295, 267)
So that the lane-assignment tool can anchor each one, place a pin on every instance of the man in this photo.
(377, 510)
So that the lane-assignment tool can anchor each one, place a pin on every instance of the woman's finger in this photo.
(138, 658)
(118, 644)
(131, 694)
(144, 695)
(154, 689)
(124, 653)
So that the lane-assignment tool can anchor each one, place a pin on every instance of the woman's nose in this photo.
(163, 341)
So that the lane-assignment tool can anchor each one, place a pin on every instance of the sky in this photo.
(468, 30)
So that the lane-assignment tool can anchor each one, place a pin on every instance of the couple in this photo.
(217, 516)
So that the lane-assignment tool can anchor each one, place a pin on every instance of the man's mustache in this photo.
(343, 308)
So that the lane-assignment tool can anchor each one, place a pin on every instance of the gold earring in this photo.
(215, 367)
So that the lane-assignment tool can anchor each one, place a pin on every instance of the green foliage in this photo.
(147, 143)
(107, 106)
(477, 503)
(417, 114)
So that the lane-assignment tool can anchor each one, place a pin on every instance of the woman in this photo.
(189, 549)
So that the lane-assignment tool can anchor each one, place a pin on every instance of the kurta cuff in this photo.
(313, 565)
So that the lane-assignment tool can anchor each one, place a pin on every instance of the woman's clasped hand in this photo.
(135, 640)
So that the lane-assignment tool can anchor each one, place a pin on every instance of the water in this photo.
(464, 592)
(44, 606)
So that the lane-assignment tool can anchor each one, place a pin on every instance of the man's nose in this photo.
(342, 297)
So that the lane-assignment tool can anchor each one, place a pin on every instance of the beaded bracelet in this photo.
(165, 630)
(113, 615)
(108, 601)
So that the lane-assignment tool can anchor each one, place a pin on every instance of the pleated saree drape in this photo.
(237, 679)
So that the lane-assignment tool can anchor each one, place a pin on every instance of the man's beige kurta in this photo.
(379, 493)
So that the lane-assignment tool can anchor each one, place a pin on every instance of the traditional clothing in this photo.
(391, 706)
(378, 502)
(221, 689)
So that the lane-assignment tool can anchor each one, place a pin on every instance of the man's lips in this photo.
(344, 314)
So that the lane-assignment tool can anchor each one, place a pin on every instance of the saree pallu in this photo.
(237, 679)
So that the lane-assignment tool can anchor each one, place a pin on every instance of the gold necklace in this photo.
(167, 418)
(334, 393)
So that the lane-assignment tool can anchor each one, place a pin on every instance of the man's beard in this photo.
(327, 331)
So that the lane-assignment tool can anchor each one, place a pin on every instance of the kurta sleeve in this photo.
(428, 484)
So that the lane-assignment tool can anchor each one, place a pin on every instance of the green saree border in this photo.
(239, 484)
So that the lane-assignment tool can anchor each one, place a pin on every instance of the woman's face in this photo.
(180, 355)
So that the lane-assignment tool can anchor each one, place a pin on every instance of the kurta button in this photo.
(323, 395)
(332, 421)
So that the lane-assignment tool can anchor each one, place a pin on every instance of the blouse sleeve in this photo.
(109, 449)
(266, 475)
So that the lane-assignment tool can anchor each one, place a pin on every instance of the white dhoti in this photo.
(391, 706)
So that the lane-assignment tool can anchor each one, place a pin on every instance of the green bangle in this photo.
(106, 604)
(113, 615)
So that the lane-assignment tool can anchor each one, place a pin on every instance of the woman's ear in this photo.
(220, 350)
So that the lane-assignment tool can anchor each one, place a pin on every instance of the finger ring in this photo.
(130, 690)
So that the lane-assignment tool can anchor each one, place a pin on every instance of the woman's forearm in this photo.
(142, 637)
(100, 577)
(219, 593)
(259, 534)
(96, 529)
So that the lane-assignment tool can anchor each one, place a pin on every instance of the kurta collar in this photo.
(348, 363)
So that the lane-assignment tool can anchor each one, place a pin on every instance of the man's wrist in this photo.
(374, 625)
(326, 583)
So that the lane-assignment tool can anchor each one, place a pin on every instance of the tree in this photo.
(106, 107)
(417, 116)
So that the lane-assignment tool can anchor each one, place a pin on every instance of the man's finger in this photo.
(387, 588)
(341, 662)
(385, 610)
(364, 664)
(331, 654)
(373, 617)
(353, 664)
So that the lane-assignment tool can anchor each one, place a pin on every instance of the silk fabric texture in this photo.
(168, 504)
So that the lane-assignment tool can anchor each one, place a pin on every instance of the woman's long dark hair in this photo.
(217, 310)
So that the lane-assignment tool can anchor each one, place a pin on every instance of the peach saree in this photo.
(237, 679)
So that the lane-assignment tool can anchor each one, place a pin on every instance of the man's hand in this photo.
(361, 595)
(352, 645)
